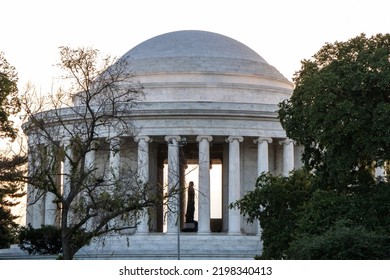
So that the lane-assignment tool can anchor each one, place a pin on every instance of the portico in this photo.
(238, 158)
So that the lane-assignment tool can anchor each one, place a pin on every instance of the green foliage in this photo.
(369, 208)
(301, 222)
(40, 241)
(276, 202)
(342, 241)
(344, 226)
(323, 210)
(10, 167)
(8, 228)
(11, 170)
(339, 112)
(340, 101)
(9, 101)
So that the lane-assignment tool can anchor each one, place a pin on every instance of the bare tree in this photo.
(73, 140)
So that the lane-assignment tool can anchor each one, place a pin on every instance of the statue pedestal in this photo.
(190, 227)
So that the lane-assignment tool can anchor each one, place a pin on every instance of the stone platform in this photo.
(161, 246)
(165, 246)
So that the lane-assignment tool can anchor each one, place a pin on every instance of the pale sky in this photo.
(283, 32)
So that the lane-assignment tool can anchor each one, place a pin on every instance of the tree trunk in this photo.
(67, 252)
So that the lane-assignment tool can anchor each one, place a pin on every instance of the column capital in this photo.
(232, 138)
(263, 139)
(286, 141)
(170, 138)
(114, 140)
(115, 144)
(94, 145)
(201, 137)
(288, 156)
(143, 137)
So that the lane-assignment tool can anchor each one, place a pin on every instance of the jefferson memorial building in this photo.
(211, 102)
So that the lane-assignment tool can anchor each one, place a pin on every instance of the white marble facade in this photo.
(221, 97)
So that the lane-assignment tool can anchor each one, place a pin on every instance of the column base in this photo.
(142, 232)
(170, 233)
(234, 233)
(190, 227)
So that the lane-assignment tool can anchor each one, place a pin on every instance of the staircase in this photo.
(165, 246)
(160, 246)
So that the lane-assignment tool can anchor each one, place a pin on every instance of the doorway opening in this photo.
(192, 174)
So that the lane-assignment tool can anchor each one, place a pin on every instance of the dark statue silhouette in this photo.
(190, 203)
(190, 225)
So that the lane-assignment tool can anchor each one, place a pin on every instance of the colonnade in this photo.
(174, 143)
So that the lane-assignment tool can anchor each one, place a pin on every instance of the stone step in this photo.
(192, 246)
(160, 246)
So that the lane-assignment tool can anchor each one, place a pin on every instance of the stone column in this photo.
(114, 160)
(67, 175)
(234, 182)
(173, 183)
(89, 166)
(262, 154)
(50, 198)
(67, 169)
(35, 203)
(50, 209)
(262, 162)
(143, 173)
(225, 189)
(204, 184)
(113, 176)
(89, 160)
(288, 156)
(30, 191)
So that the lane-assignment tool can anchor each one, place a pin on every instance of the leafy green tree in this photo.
(276, 202)
(339, 111)
(9, 101)
(343, 241)
(12, 174)
(336, 225)
(8, 227)
(300, 221)
(42, 241)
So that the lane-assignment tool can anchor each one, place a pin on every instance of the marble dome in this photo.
(198, 65)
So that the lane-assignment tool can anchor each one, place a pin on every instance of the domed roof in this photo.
(193, 43)
(197, 51)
